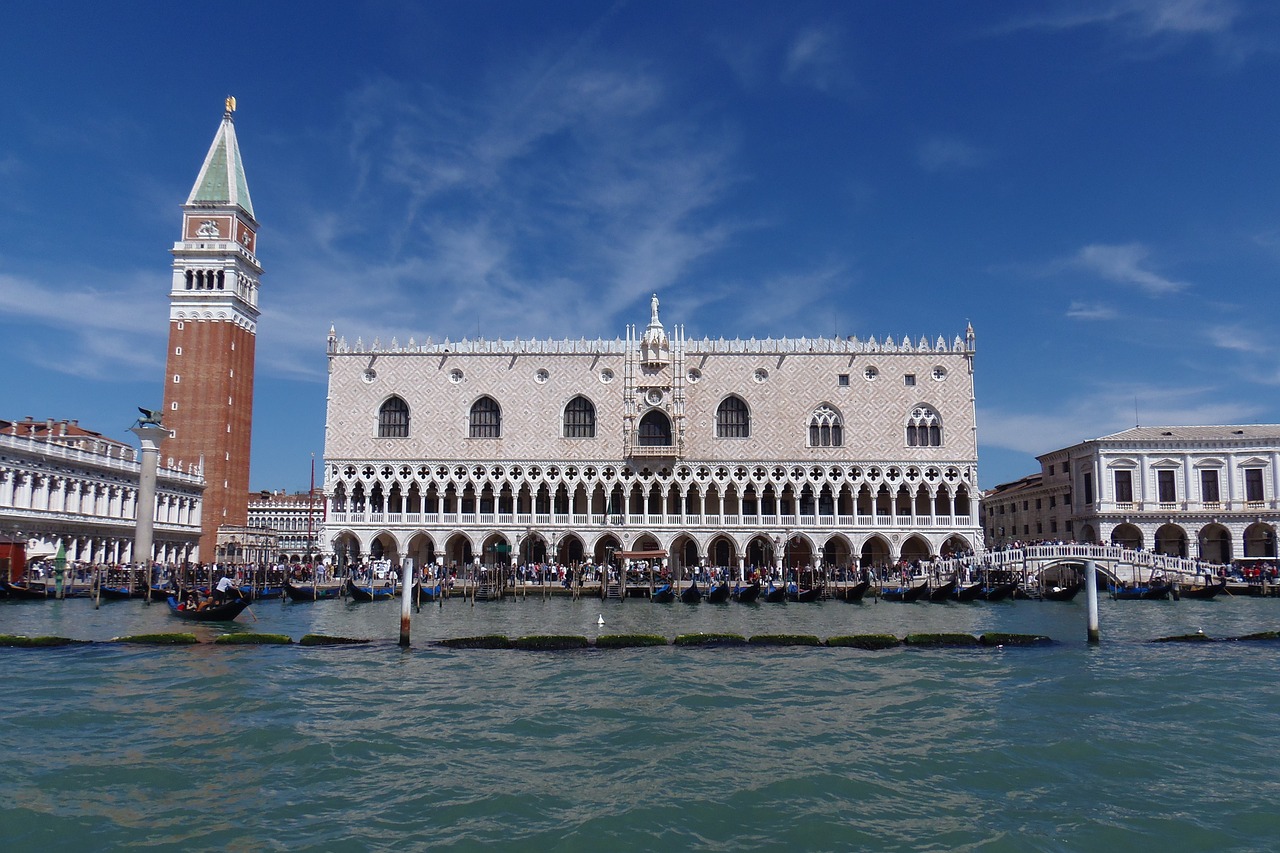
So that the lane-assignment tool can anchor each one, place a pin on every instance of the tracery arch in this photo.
(826, 427)
(924, 427)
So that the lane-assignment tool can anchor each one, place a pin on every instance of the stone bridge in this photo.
(1115, 562)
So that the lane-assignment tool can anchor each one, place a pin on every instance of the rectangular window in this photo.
(909, 379)
(1124, 487)
(1253, 484)
(1053, 501)
(1053, 525)
(176, 379)
(1209, 487)
(1039, 528)
(1088, 488)
(844, 379)
(1050, 470)
(1024, 506)
(1068, 524)
(1166, 488)
(174, 405)
(1026, 530)
(177, 350)
(1037, 503)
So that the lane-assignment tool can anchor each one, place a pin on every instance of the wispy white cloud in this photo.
(95, 332)
(1125, 264)
(944, 153)
(1090, 311)
(815, 57)
(1238, 338)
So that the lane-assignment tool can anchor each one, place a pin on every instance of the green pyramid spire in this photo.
(221, 180)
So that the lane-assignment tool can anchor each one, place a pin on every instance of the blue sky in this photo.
(1093, 184)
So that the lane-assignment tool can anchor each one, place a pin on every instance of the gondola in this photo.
(262, 593)
(223, 611)
(802, 596)
(942, 592)
(774, 594)
(691, 595)
(1153, 592)
(1204, 593)
(430, 593)
(663, 594)
(40, 591)
(998, 592)
(1062, 593)
(312, 592)
(718, 594)
(857, 591)
(746, 594)
(906, 594)
(972, 592)
(369, 593)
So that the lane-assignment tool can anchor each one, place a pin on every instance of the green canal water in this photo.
(1128, 745)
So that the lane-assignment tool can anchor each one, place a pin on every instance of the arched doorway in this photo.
(1215, 543)
(759, 553)
(383, 547)
(1127, 536)
(955, 546)
(836, 553)
(457, 551)
(421, 550)
(346, 550)
(875, 553)
(570, 550)
(1171, 540)
(1260, 541)
(915, 549)
(496, 551)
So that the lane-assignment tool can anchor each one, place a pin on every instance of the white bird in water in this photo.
(600, 621)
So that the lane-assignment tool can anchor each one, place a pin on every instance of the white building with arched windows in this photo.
(804, 451)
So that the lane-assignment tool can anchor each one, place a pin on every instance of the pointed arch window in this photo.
(826, 429)
(393, 419)
(733, 418)
(580, 418)
(924, 427)
(655, 430)
(486, 418)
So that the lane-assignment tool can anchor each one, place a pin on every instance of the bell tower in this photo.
(213, 323)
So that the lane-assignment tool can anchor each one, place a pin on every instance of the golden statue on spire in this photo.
(231, 104)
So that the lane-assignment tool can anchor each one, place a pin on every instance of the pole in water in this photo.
(1091, 596)
(406, 599)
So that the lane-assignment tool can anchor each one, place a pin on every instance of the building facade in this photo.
(1202, 492)
(213, 321)
(733, 453)
(295, 519)
(61, 484)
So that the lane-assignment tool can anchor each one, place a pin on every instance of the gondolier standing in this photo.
(223, 590)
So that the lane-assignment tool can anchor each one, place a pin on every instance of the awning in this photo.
(642, 555)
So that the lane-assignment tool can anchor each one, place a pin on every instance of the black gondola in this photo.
(222, 611)
(998, 592)
(1062, 593)
(972, 592)
(718, 594)
(312, 592)
(905, 594)
(369, 593)
(802, 596)
(1153, 592)
(857, 591)
(775, 594)
(942, 592)
(691, 595)
(1204, 593)
(663, 594)
(746, 594)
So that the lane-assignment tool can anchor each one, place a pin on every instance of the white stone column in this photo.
(151, 436)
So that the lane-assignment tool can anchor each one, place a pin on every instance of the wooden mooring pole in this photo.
(1091, 597)
(406, 599)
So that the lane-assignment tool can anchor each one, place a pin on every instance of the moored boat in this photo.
(1062, 593)
(663, 594)
(368, 592)
(691, 594)
(312, 592)
(718, 594)
(857, 591)
(774, 594)
(998, 592)
(802, 596)
(942, 592)
(904, 593)
(746, 594)
(1150, 592)
(972, 592)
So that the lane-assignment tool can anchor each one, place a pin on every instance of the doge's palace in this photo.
(837, 452)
